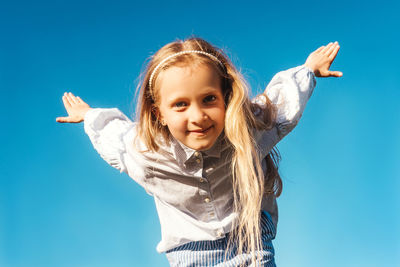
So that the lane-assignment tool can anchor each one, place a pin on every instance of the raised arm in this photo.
(291, 89)
(106, 128)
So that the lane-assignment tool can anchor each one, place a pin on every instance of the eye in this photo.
(180, 104)
(209, 98)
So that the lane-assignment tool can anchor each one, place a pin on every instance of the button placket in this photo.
(198, 156)
(210, 208)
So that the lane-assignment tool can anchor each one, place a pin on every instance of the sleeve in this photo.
(106, 129)
(289, 91)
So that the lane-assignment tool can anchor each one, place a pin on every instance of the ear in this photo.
(156, 111)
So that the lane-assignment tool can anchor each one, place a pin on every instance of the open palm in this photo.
(76, 108)
(321, 60)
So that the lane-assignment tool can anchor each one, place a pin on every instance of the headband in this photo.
(178, 54)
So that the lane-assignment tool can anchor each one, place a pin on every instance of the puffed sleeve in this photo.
(289, 91)
(106, 129)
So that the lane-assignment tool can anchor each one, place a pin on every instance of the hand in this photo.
(75, 107)
(321, 59)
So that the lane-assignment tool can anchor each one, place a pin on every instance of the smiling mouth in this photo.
(201, 132)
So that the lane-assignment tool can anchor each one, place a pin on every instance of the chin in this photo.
(200, 147)
(203, 148)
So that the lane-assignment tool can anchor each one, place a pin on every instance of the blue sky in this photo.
(62, 205)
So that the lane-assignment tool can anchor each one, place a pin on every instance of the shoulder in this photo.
(138, 147)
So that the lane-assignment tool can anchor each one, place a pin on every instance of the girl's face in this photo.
(191, 105)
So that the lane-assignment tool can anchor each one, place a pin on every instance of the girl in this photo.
(204, 151)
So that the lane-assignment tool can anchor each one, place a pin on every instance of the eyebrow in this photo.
(207, 91)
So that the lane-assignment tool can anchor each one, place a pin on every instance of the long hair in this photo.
(249, 182)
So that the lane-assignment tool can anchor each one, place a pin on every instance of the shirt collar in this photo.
(182, 153)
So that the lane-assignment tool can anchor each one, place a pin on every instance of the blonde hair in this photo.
(249, 182)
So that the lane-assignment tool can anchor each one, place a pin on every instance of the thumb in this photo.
(62, 119)
(335, 73)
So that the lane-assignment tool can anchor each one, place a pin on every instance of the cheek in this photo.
(219, 114)
(175, 122)
(172, 117)
(222, 120)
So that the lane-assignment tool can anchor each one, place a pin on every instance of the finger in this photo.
(319, 49)
(79, 100)
(334, 52)
(65, 100)
(72, 98)
(326, 48)
(331, 49)
(335, 74)
(62, 119)
(69, 119)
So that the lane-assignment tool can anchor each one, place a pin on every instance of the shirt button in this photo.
(201, 180)
(220, 233)
(206, 200)
(197, 154)
(198, 160)
(209, 170)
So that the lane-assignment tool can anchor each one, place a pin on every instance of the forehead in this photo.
(187, 79)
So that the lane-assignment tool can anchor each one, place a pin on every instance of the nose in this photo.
(197, 114)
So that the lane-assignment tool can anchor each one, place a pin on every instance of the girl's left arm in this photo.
(290, 90)
(321, 60)
(106, 128)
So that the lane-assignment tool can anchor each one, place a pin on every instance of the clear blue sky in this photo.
(62, 205)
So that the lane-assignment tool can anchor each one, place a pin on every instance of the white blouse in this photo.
(192, 189)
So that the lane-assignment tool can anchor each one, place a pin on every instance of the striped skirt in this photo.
(211, 253)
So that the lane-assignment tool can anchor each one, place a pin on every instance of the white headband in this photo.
(178, 54)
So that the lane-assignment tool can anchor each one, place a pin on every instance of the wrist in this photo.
(309, 67)
(84, 112)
